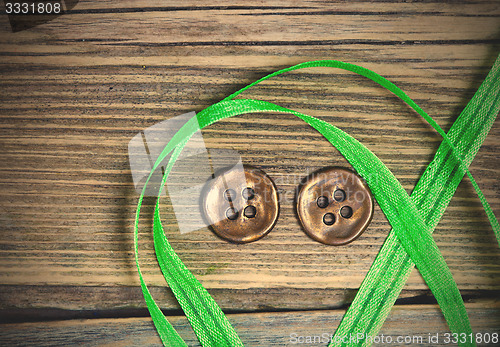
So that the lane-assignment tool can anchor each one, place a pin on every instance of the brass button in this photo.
(334, 206)
(241, 204)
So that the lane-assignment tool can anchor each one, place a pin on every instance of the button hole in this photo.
(250, 211)
(329, 218)
(248, 193)
(232, 213)
(339, 195)
(229, 194)
(322, 202)
(346, 212)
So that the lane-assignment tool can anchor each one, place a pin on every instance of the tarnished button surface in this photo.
(241, 204)
(334, 206)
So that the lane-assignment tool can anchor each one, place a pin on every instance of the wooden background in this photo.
(74, 92)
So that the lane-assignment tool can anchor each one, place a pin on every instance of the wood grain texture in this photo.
(74, 91)
(257, 329)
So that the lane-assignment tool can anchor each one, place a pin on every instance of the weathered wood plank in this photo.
(414, 322)
(68, 108)
(36, 302)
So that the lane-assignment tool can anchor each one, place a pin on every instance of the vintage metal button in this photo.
(241, 204)
(334, 206)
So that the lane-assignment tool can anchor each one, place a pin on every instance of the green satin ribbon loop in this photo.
(410, 239)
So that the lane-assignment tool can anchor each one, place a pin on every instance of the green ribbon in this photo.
(410, 241)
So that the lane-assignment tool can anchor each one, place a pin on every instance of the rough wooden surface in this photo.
(257, 329)
(74, 92)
